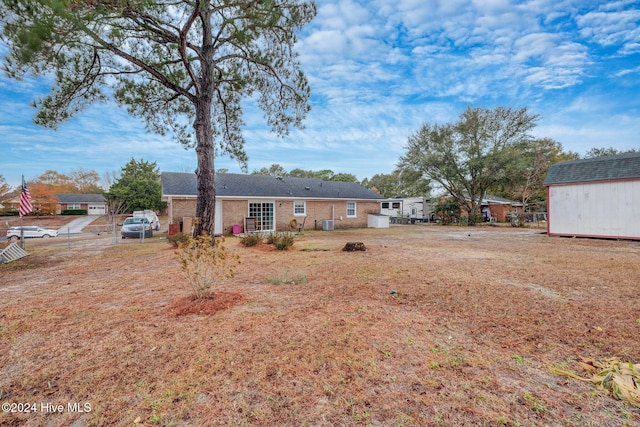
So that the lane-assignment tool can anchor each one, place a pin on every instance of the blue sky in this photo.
(378, 70)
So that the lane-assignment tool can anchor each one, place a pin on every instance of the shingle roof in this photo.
(488, 198)
(80, 198)
(239, 185)
(607, 168)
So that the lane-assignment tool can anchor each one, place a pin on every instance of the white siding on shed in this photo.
(598, 209)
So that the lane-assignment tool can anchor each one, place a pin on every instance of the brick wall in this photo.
(235, 211)
(500, 212)
(179, 208)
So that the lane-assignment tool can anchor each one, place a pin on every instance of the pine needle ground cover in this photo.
(429, 326)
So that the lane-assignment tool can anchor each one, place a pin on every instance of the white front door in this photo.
(217, 226)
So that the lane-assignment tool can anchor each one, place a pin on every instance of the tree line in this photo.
(135, 187)
(484, 152)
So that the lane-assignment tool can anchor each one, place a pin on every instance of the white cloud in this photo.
(378, 70)
(611, 26)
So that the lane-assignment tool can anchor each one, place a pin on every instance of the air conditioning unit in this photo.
(327, 224)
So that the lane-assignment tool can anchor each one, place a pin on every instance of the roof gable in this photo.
(240, 185)
(607, 168)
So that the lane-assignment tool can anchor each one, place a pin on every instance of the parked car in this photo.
(30, 231)
(133, 226)
(151, 216)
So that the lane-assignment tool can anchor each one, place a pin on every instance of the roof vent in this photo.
(307, 188)
(279, 178)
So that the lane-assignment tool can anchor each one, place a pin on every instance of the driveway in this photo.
(78, 224)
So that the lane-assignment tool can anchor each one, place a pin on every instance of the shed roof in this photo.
(606, 168)
(240, 185)
(80, 198)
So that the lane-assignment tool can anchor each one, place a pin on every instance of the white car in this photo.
(151, 216)
(30, 231)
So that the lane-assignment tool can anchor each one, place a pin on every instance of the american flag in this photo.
(25, 200)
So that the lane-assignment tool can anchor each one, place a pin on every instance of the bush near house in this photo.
(74, 212)
(281, 240)
(251, 239)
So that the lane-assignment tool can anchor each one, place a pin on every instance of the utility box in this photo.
(327, 224)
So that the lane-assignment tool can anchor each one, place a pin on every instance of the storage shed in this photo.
(598, 197)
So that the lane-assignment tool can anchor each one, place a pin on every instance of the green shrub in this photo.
(251, 239)
(272, 238)
(282, 241)
(205, 263)
(74, 212)
(179, 239)
(8, 212)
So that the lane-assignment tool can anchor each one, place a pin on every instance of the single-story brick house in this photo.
(499, 208)
(94, 204)
(598, 197)
(274, 202)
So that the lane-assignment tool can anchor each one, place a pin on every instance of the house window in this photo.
(263, 213)
(385, 205)
(396, 205)
(351, 209)
(299, 207)
(74, 206)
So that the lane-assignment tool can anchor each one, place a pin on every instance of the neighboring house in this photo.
(496, 208)
(493, 208)
(94, 204)
(410, 208)
(274, 202)
(598, 197)
(13, 203)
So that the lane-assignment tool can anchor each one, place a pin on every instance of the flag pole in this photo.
(21, 228)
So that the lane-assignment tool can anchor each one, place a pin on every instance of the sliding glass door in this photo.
(263, 212)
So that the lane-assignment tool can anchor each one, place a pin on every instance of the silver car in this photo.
(134, 226)
(30, 231)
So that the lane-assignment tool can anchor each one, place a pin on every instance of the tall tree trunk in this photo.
(206, 206)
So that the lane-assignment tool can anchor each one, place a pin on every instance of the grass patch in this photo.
(285, 279)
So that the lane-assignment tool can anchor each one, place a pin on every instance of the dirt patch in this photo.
(211, 305)
(430, 326)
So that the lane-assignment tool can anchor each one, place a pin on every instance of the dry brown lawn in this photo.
(431, 326)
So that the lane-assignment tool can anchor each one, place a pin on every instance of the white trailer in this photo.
(407, 209)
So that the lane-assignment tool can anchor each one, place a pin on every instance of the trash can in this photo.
(237, 229)
(174, 229)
